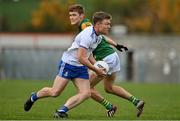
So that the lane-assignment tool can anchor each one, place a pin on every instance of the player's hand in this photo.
(121, 48)
(101, 72)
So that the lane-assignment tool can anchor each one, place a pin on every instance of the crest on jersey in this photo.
(86, 24)
(66, 73)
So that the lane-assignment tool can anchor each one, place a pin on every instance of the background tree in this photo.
(156, 16)
(51, 16)
(140, 16)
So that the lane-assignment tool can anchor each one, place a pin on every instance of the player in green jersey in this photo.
(104, 52)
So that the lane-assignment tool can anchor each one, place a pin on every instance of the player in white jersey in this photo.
(87, 39)
(74, 66)
(106, 53)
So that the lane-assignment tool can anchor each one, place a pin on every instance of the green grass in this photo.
(162, 102)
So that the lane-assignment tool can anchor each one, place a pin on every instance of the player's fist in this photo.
(121, 48)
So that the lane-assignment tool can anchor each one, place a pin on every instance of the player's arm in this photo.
(116, 45)
(92, 59)
(110, 41)
(83, 59)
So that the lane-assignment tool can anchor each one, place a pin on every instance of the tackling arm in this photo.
(110, 41)
(117, 46)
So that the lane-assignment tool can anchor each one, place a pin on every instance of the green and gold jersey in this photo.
(85, 23)
(103, 49)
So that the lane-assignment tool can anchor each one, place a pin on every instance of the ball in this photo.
(102, 64)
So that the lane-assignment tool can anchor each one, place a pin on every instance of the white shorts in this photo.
(113, 62)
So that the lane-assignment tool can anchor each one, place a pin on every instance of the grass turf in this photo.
(162, 102)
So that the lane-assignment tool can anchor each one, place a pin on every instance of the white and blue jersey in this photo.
(87, 39)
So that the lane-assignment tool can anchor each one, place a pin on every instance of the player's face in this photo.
(105, 26)
(75, 18)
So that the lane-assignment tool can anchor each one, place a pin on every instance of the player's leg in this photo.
(94, 79)
(113, 62)
(95, 95)
(109, 87)
(83, 89)
(54, 91)
(121, 92)
(111, 109)
(80, 78)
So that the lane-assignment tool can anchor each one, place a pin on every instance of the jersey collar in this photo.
(94, 32)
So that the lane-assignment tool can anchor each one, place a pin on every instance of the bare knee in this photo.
(86, 94)
(55, 93)
(108, 89)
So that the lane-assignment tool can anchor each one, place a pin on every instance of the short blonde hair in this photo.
(100, 16)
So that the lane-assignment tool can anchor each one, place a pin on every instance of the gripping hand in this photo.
(121, 48)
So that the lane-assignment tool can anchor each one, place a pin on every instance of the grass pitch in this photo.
(162, 102)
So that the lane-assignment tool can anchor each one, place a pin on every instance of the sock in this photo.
(34, 97)
(106, 104)
(63, 109)
(134, 100)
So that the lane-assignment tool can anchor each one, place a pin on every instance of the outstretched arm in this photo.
(110, 41)
(116, 45)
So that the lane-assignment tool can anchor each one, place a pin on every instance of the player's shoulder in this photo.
(103, 38)
(85, 23)
(87, 31)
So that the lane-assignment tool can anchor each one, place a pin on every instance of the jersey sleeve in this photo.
(85, 24)
(85, 42)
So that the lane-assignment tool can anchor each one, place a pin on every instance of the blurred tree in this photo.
(51, 16)
(120, 9)
(150, 16)
(4, 26)
(157, 16)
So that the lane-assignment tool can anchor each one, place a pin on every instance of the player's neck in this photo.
(95, 30)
